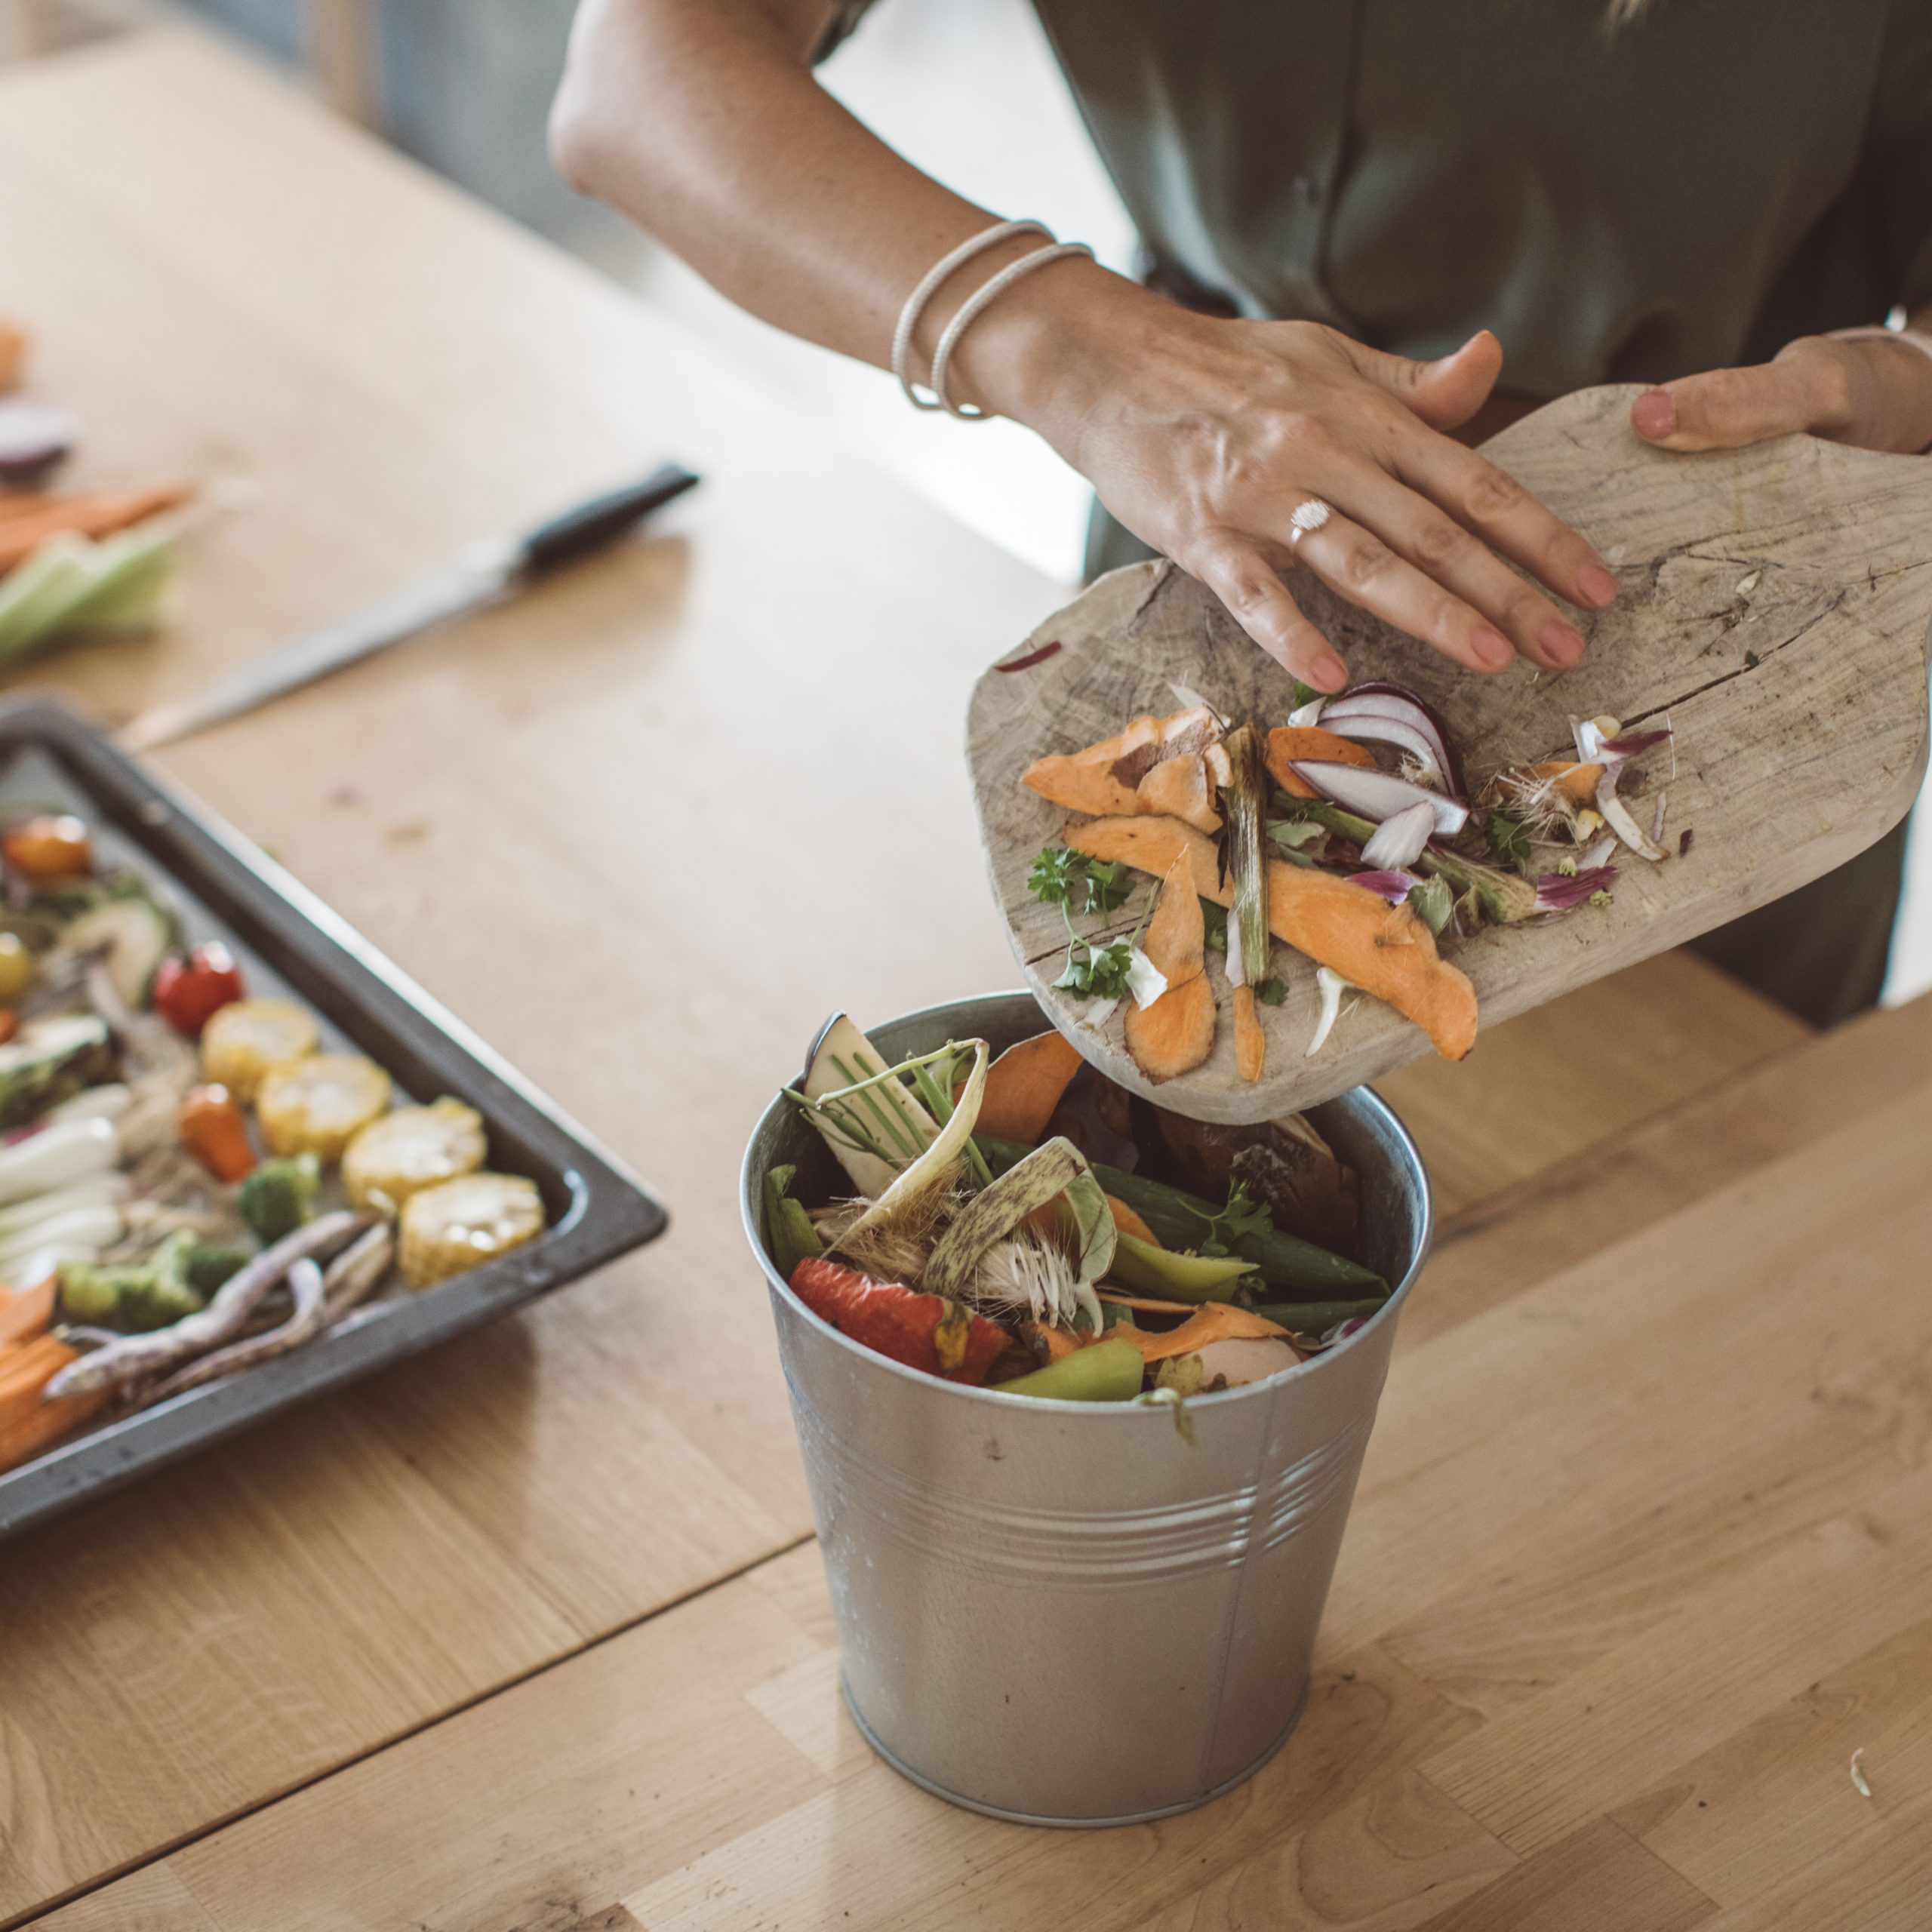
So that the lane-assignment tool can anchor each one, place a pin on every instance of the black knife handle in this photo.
(590, 526)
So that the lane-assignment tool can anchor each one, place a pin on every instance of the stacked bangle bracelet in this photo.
(970, 310)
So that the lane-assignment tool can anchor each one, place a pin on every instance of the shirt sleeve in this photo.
(844, 24)
(1902, 151)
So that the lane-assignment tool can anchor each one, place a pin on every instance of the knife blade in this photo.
(484, 573)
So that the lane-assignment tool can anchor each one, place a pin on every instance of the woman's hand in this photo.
(1202, 436)
(1872, 394)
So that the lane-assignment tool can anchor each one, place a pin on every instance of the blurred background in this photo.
(966, 88)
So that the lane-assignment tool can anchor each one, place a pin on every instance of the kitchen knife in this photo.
(483, 573)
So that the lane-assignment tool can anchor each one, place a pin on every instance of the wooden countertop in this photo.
(529, 1633)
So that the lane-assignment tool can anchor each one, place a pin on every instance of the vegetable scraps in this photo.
(189, 1184)
(1026, 1264)
(87, 561)
(1349, 833)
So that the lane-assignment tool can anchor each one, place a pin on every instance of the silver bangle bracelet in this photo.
(929, 286)
(976, 304)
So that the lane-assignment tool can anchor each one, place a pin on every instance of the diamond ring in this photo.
(1310, 514)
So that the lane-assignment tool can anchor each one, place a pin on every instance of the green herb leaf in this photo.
(1305, 693)
(1508, 841)
(1434, 902)
(1107, 968)
(1239, 1219)
(1272, 991)
(1108, 886)
(1215, 918)
(1054, 875)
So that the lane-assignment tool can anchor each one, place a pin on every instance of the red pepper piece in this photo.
(212, 1130)
(927, 1332)
(188, 993)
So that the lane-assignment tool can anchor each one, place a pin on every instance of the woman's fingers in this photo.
(1444, 393)
(1359, 566)
(1441, 548)
(1806, 388)
(1244, 579)
(1490, 502)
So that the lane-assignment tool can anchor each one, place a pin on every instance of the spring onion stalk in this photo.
(62, 1153)
(108, 1102)
(1505, 898)
(91, 1228)
(1241, 799)
(1285, 1261)
(1316, 1318)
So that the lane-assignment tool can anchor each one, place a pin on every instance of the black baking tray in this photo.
(286, 939)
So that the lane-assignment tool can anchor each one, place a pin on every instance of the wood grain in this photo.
(1638, 1558)
(1774, 609)
(553, 816)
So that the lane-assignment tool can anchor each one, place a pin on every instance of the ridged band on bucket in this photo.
(1104, 1549)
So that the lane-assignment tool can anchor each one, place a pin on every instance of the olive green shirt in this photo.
(1687, 191)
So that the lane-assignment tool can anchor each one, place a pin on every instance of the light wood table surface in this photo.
(529, 1633)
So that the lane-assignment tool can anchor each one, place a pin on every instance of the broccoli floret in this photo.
(133, 1295)
(279, 1196)
(206, 1265)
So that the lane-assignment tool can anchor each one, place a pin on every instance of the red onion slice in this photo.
(1381, 700)
(1617, 816)
(1399, 840)
(1421, 746)
(34, 436)
(1379, 794)
(1558, 892)
(1391, 884)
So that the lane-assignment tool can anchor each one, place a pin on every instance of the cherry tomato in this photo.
(16, 966)
(212, 1130)
(48, 848)
(188, 993)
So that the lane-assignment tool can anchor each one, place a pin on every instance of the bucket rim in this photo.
(751, 1185)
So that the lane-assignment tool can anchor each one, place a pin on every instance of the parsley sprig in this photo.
(1077, 884)
(1242, 1216)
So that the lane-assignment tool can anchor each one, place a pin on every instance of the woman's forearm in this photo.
(701, 120)
(1213, 441)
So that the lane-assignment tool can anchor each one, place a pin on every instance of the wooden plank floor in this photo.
(1642, 1553)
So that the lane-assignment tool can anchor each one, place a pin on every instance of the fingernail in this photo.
(1493, 648)
(1597, 585)
(1654, 414)
(1563, 642)
(1328, 674)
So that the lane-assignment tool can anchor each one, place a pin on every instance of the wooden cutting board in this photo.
(1774, 609)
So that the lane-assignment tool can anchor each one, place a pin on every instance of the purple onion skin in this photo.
(1633, 744)
(1557, 894)
(1388, 884)
(34, 437)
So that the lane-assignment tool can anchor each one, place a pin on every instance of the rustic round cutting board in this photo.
(1774, 609)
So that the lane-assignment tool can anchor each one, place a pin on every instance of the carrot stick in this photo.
(1024, 1085)
(24, 1313)
(1290, 745)
(28, 1424)
(1384, 950)
(88, 513)
(1129, 1223)
(1176, 1032)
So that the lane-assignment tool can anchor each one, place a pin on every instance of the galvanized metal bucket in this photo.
(1063, 1613)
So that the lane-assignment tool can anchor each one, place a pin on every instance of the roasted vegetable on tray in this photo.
(190, 1185)
(1350, 833)
(1035, 1266)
